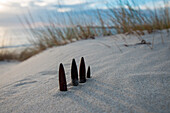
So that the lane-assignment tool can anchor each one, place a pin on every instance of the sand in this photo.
(135, 79)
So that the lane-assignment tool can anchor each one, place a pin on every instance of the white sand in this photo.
(134, 80)
(6, 66)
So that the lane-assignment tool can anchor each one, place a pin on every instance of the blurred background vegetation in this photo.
(127, 19)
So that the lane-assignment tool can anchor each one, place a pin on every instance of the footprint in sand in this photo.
(21, 83)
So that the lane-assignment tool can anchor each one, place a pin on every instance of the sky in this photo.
(10, 10)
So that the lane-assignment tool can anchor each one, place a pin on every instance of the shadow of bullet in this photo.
(62, 78)
(82, 71)
(88, 72)
(74, 73)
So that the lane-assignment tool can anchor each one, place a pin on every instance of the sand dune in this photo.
(134, 80)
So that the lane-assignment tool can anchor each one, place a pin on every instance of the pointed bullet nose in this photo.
(82, 71)
(62, 79)
(74, 73)
(88, 72)
(73, 62)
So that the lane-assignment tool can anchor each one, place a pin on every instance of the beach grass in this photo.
(131, 19)
(126, 19)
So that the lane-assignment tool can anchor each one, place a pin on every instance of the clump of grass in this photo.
(131, 19)
(51, 35)
(27, 53)
(7, 55)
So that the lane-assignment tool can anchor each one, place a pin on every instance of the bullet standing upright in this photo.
(74, 73)
(62, 79)
(88, 72)
(82, 71)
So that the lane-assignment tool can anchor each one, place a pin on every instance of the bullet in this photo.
(88, 72)
(82, 71)
(74, 73)
(62, 79)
